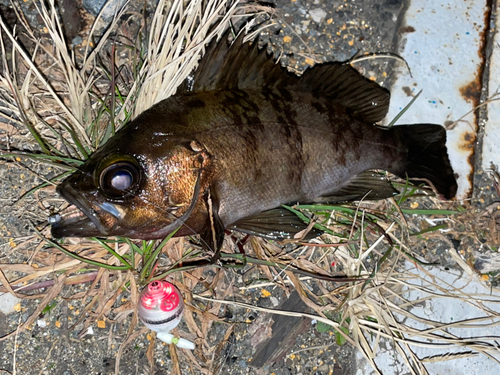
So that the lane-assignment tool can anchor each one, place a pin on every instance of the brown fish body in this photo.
(268, 148)
(245, 138)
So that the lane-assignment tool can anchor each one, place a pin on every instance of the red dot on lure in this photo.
(160, 294)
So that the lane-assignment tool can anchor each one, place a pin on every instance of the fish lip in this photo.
(87, 224)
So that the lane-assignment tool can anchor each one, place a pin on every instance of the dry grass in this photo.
(68, 102)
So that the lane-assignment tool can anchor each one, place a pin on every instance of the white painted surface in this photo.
(443, 56)
(445, 310)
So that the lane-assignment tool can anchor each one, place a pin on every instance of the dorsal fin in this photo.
(342, 84)
(245, 66)
(240, 65)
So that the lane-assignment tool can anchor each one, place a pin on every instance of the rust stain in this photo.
(484, 33)
(467, 141)
(407, 91)
(472, 91)
(407, 29)
(467, 146)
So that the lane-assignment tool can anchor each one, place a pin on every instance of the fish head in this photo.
(136, 192)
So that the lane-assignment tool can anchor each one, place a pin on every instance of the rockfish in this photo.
(238, 140)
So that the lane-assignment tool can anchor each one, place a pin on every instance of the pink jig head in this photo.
(160, 306)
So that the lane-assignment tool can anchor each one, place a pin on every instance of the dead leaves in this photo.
(51, 294)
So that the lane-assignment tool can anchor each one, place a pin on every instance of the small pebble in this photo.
(317, 15)
(77, 40)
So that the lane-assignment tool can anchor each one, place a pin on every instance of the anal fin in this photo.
(366, 185)
(276, 224)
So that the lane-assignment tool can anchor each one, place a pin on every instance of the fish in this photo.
(242, 137)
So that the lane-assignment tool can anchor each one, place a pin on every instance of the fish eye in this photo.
(119, 179)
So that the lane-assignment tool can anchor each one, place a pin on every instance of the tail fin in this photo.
(427, 156)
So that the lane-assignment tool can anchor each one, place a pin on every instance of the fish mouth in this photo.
(80, 219)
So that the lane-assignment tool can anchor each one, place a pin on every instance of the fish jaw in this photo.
(81, 218)
(72, 222)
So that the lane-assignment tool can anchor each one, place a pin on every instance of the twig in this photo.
(15, 343)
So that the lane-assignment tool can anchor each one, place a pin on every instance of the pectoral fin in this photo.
(276, 224)
(368, 185)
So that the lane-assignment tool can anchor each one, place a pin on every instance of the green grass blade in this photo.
(132, 245)
(330, 208)
(41, 186)
(306, 220)
(76, 140)
(112, 252)
(402, 112)
(149, 260)
(402, 198)
(377, 267)
(52, 159)
(177, 269)
(431, 229)
(132, 257)
(62, 139)
(82, 259)
(32, 130)
(429, 212)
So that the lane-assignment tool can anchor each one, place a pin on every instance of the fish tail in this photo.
(428, 156)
